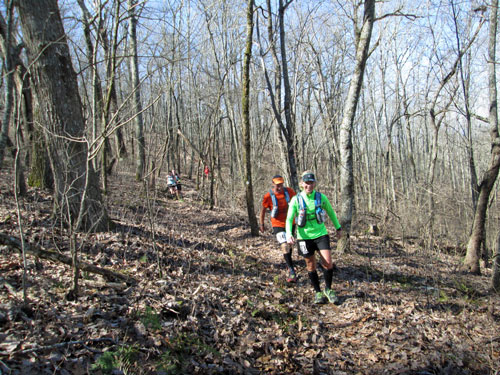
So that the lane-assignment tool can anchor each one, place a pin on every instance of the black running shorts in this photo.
(308, 247)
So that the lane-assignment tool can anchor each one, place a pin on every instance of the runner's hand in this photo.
(291, 240)
(262, 228)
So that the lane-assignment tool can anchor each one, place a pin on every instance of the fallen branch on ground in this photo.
(61, 345)
(61, 258)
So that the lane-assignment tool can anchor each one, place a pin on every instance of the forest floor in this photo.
(207, 298)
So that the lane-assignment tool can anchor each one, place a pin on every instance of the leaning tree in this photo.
(59, 115)
(471, 261)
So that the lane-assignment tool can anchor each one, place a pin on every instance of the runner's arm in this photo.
(325, 203)
(264, 207)
(262, 218)
(292, 212)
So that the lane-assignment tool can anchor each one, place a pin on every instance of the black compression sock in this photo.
(289, 262)
(328, 274)
(313, 276)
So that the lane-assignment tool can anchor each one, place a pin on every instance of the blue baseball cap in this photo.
(308, 176)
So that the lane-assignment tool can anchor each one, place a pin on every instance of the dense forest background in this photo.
(393, 105)
(160, 82)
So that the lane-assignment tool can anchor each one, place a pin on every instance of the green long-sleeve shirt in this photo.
(312, 229)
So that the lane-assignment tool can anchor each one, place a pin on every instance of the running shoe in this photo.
(319, 298)
(292, 278)
(330, 295)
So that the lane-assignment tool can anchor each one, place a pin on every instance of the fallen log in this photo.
(57, 257)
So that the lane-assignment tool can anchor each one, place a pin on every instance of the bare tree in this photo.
(471, 261)
(14, 70)
(286, 126)
(289, 129)
(363, 37)
(97, 96)
(437, 116)
(34, 146)
(464, 75)
(495, 272)
(9, 86)
(134, 67)
(59, 113)
(245, 106)
(110, 104)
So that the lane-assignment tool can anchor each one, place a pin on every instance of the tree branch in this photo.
(61, 258)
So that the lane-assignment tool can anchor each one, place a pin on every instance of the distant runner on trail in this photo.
(172, 185)
(276, 200)
(309, 209)
(178, 184)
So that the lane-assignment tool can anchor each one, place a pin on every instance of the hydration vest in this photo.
(171, 181)
(274, 211)
(318, 211)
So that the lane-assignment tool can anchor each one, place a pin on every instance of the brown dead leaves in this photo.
(222, 305)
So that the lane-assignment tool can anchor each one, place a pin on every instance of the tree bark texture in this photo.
(287, 104)
(276, 97)
(37, 158)
(9, 84)
(346, 147)
(495, 274)
(134, 66)
(245, 105)
(471, 261)
(110, 104)
(59, 113)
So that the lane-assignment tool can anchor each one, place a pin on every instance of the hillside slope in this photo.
(221, 306)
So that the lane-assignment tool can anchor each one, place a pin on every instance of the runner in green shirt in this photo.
(309, 209)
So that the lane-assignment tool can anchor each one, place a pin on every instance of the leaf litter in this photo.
(221, 304)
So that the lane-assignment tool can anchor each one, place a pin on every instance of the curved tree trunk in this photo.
(59, 109)
(471, 261)
(436, 123)
(346, 152)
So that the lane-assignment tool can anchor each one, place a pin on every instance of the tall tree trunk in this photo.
(495, 273)
(59, 108)
(287, 104)
(346, 152)
(134, 66)
(9, 82)
(96, 85)
(245, 106)
(282, 145)
(98, 111)
(286, 135)
(110, 104)
(436, 123)
(40, 169)
(471, 261)
(37, 158)
(466, 84)
(11, 58)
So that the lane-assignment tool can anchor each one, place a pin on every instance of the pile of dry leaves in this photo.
(198, 295)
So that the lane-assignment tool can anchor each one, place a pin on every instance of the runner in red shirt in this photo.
(276, 201)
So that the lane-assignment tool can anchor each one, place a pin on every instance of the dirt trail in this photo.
(221, 304)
